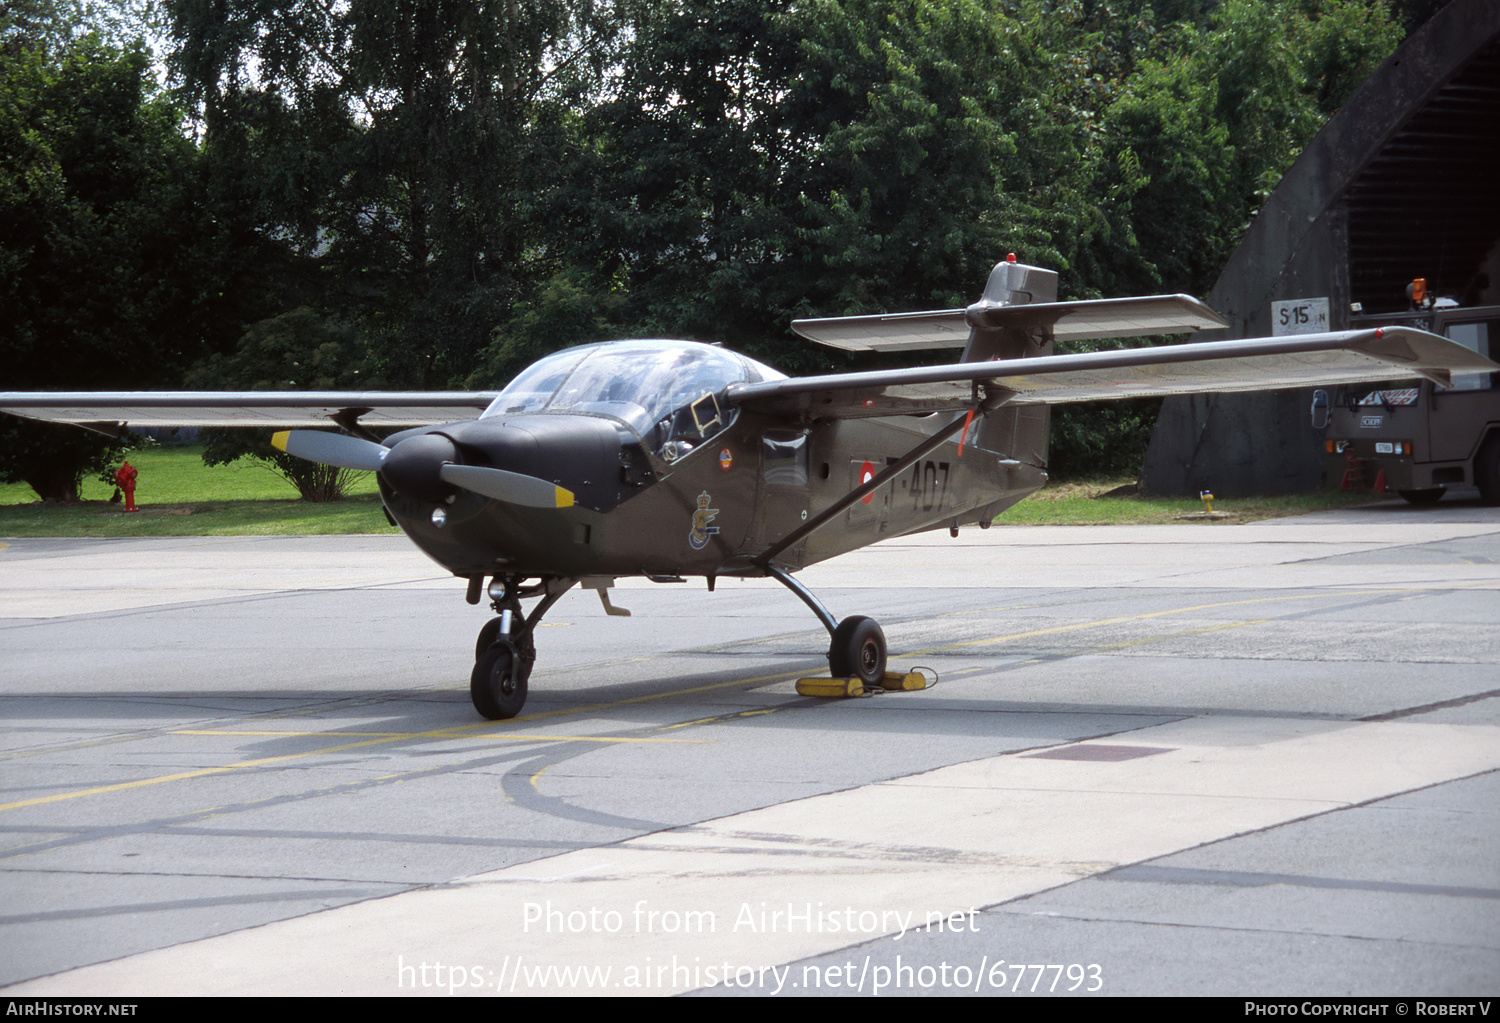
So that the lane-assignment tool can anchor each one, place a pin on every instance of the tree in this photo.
(111, 262)
(764, 161)
(1210, 116)
(400, 144)
(296, 351)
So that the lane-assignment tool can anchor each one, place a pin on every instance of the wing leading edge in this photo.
(1389, 353)
(275, 409)
(1259, 364)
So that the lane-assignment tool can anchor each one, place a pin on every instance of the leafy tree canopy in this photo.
(459, 186)
(296, 351)
(109, 268)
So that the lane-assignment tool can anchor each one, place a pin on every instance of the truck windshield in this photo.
(1387, 394)
(1476, 337)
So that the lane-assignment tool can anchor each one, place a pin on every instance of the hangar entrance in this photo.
(1400, 184)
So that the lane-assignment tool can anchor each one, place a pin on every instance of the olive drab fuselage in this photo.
(713, 510)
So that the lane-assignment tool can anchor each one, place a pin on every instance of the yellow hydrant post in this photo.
(1207, 497)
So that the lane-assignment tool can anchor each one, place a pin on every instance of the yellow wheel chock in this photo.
(836, 688)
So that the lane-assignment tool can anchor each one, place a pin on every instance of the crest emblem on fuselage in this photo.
(701, 531)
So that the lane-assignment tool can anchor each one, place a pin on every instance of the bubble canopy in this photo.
(638, 382)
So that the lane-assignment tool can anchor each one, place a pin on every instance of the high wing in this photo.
(1260, 364)
(107, 411)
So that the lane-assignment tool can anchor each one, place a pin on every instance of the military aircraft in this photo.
(670, 459)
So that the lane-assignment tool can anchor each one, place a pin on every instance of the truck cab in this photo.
(1414, 437)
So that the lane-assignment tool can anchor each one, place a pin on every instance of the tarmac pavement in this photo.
(1246, 760)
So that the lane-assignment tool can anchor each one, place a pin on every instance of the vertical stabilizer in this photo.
(1019, 431)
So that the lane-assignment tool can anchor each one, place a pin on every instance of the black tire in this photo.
(487, 637)
(858, 650)
(1487, 470)
(497, 688)
(1422, 497)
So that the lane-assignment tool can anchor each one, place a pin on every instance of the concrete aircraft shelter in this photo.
(1402, 182)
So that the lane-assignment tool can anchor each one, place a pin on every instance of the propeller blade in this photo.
(511, 487)
(331, 449)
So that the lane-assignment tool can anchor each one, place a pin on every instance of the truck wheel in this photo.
(1487, 470)
(1422, 497)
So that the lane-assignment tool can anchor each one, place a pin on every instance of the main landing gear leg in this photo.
(857, 647)
(505, 650)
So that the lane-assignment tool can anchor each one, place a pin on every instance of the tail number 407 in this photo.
(928, 485)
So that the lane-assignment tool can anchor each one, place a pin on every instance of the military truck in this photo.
(1413, 437)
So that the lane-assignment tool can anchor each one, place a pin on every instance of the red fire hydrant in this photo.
(125, 478)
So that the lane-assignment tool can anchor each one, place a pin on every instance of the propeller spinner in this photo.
(420, 465)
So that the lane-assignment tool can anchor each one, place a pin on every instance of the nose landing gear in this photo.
(498, 683)
(505, 651)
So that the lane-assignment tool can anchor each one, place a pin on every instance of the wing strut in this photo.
(993, 400)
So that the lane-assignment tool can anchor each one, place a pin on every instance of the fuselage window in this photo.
(783, 458)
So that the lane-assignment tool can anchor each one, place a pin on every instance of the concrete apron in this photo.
(736, 897)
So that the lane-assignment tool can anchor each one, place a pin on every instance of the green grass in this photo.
(1082, 503)
(171, 474)
(180, 496)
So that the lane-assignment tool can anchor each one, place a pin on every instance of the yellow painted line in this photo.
(215, 731)
(537, 777)
(1136, 618)
(695, 721)
(457, 730)
(529, 737)
(720, 718)
(1149, 640)
(184, 775)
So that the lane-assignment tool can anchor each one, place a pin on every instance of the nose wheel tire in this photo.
(487, 636)
(498, 684)
(858, 650)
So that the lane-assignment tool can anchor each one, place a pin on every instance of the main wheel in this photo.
(1487, 470)
(1421, 497)
(498, 684)
(858, 650)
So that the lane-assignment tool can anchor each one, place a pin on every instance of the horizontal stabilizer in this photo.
(1068, 321)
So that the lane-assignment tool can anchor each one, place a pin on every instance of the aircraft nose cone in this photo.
(412, 466)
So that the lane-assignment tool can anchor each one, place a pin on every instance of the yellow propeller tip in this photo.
(564, 498)
(278, 439)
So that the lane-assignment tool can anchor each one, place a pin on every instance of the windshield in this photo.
(1387, 394)
(663, 389)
